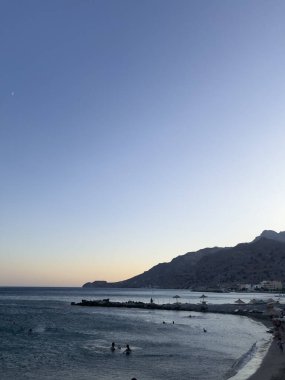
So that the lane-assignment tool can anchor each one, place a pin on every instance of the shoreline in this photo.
(272, 366)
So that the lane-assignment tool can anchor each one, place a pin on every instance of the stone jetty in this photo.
(257, 310)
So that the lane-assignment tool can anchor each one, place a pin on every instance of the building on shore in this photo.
(263, 285)
(271, 285)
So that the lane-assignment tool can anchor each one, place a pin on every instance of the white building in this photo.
(271, 285)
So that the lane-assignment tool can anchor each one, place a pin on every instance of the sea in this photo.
(42, 336)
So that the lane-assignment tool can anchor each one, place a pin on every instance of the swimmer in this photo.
(204, 330)
(128, 350)
(113, 347)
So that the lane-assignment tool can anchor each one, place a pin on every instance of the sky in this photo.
(132, 132)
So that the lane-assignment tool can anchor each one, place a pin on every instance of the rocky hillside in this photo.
(262, 259)
(269, 234)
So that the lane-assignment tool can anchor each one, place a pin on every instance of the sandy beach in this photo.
(273, 365)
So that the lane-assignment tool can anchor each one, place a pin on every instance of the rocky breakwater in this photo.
(258, 311)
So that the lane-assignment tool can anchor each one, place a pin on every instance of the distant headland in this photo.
(258, 265)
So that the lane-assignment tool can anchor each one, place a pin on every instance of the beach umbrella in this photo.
(253, 301)
(239, 301)
(176, 297)
(203, 299)
(270, 300)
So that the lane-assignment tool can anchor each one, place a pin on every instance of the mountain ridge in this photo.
(270, 234)
(261, 259)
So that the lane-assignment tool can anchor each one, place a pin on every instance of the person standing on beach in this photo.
(280, 345)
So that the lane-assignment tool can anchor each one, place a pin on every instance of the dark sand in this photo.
(273, 365)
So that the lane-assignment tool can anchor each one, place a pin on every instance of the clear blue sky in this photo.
(134, 131)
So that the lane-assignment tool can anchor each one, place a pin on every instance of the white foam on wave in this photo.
(248, 363)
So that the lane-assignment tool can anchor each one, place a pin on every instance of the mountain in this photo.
(269, 234)
(262, 259)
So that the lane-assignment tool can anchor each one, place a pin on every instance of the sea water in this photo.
(43, 337)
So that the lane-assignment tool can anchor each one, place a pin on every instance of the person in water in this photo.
(113, 346)
(128, 350)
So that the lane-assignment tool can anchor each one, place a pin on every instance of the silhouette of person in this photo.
(128, 350)
(280, 345)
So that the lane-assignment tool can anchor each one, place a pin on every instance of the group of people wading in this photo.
(127, 350)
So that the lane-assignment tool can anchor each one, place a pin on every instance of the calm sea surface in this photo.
(69, 342)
